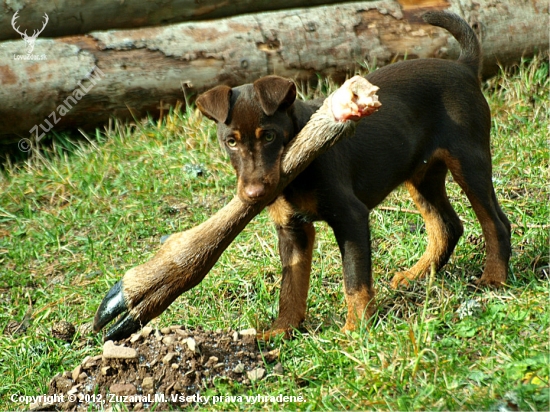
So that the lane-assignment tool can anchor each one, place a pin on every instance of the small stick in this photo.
(398, 209)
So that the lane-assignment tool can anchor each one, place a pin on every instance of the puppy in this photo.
(434, 119)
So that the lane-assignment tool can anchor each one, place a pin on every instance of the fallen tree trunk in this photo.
(141, 68)
(70, 17)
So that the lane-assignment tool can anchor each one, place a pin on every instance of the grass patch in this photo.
(76, 215)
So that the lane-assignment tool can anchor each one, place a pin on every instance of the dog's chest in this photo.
(301, 206)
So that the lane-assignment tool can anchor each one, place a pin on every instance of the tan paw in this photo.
(274, 333)
(401, 279)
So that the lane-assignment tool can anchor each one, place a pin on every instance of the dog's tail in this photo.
(470, 53)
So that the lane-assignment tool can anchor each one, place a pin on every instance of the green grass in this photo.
(77, 214)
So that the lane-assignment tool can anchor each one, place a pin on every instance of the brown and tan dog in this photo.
(434, 119)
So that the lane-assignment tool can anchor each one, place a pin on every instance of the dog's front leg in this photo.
(351, 228)
(296, 241)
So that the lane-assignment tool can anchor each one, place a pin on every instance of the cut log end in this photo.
(355, 99)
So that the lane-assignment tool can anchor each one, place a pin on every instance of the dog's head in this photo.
(255, 122)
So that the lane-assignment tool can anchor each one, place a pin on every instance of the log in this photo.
(184, 260)
(70, 17)
(149, 69)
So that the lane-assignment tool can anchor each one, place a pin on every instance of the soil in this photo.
(174, 362)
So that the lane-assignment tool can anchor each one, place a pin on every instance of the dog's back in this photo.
(421, 98)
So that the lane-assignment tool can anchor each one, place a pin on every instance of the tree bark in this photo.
(144, 67)
(70, 17)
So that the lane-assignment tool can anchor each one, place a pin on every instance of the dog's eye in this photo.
(269, 136)
(231, 142)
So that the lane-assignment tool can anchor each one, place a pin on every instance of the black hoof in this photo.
(123, 328)
(113, 305)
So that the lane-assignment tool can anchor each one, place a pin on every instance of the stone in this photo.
(73, 391)
(135, 337)
(256, 374)
(82, 376)
(235, 336)
(91, 361)
(166, 331)
(123, 389)
(112, 351)
(146, 331)
(76, 372)
(182, 333)
(239, 368)
(168, 357)
(167, 340)
(212, 360)
(148, 384)
(175, 366)
(278, 369)
(191, 344)
(105, 370)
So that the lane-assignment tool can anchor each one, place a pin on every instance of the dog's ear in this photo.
(275, 93)
(214, 103)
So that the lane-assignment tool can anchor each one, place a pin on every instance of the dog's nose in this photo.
(255, 190)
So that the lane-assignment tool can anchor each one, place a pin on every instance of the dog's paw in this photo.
(401, 279)
(491, 281)
(271, 334)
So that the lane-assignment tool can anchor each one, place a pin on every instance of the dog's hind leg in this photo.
(474, 177)
(296, 241)
(443, 226)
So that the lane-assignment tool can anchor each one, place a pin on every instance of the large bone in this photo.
(147, 290)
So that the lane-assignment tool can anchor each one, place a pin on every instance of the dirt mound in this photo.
(168, 366)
